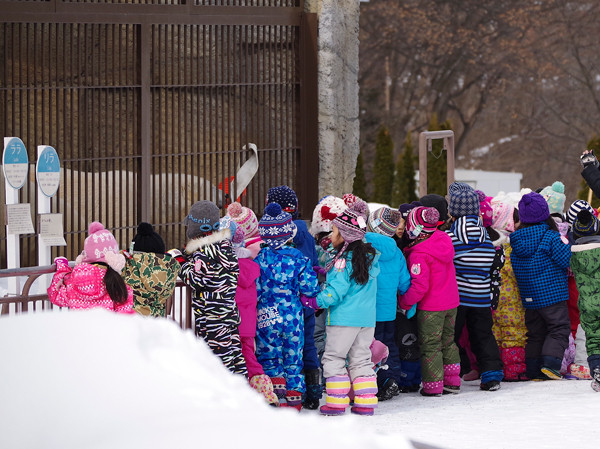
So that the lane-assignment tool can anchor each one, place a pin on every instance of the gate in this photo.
(150, 103)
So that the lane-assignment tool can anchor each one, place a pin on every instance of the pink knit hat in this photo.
(486, 208)
(502, 218)
(244, 218)
(101, 246)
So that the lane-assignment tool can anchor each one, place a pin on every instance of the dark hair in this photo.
(321, 235)
(115, 285)
(516, 218)
(492, 234)
(549, 221)
(362, 258)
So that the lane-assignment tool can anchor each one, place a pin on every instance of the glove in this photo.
(588, 159)
(62, 264)
(176, 254)
(311, 303)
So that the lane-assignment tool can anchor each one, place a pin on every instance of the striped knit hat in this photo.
(585, 224)
(421, 220)
(244, 218)
(276, 226)
(462, 200)
(576, 207)
(384, 221)
(352, 225)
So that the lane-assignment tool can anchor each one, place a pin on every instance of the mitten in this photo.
(408, 312)
(311, 303)
(62, 264)
(588, 159)
(176, 254)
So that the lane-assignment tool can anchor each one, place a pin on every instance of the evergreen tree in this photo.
(437, 160)
(383, 170)
(359, 187)
(583, 193)
(405, 186)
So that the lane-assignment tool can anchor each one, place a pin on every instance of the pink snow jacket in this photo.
(433, 277)
(245, 295)
(83, 288)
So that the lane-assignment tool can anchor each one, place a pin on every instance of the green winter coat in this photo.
(152, 278)
(585, 263)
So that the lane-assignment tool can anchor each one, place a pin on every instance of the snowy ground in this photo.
(98, 380)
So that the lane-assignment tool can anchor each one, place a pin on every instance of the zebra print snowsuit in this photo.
(212, 270)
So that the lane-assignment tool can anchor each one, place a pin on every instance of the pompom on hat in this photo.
(421, 220)
(101, 246)
(147, 240)
(276, 226)
(586, 224)
(533, 208)
(555, 197)
(577, 207)
(286, 198)
(384, 221)
(244, 217)
(328, 208)
(462, 200)
(202, 219)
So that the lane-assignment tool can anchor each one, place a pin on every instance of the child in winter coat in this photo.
(433, 288)
(96, 280)
(540, 260)
(585, 263)
(473, 260)
(245, 219)
(509, 316)
(393, 279)
(210, 267)
(150, 272)
(285, 274)
(305, 243)
(350, 295)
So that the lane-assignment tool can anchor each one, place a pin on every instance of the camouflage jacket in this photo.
(152, 278)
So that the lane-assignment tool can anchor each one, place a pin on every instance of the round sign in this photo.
(47, 172)
(15, 163)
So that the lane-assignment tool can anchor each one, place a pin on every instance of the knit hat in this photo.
(327, 209)
(101, 246)
(244, 217)
(502, 218)
(585, 224)
(421, 220)
(203, 218)
(384, 221)
(437, 201)
(227, 223)
(147, 240)
(555, 196)
(286, 198)
(405, 208)
(276, 226)
(352, 225)
(576, 207)
(533, 208)
(462, 200)
(485, 207)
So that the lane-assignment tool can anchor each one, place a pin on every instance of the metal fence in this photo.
(149, 104)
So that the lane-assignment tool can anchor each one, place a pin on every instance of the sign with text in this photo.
(15, 162)
(18, 219)
(47, 171)
(51, 230)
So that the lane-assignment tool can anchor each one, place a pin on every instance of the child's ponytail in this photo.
(363, 255)
(115, 285)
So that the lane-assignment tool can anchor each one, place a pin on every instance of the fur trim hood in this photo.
(200, 242)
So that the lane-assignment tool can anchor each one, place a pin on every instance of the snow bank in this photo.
(95, 379)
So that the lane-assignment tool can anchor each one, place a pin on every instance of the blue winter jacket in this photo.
(393, 276)
(305, 242)
(349, 303)
(540, 260)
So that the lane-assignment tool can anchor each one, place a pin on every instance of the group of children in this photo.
(375, 303)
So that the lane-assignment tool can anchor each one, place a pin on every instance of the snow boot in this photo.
(294, 399)
(279, 387)
(388, 390)
(579, 371)
(314, 390)
(427, 394)
(451, 378)
(365, 395)
(490, 380)
(471, 375)
(262, 383)
(596, 380)
(337, 400)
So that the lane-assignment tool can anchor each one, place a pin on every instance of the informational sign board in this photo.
(51, 230)
(47, 171)
(18, 219)
(15, 162)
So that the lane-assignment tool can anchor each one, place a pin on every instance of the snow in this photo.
(95, 379)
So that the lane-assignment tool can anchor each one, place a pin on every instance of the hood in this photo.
(439, 246)
(527, 241)
(384, 244)
(469, 230)
(249, 272)
(200, 242)
(155, 269)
